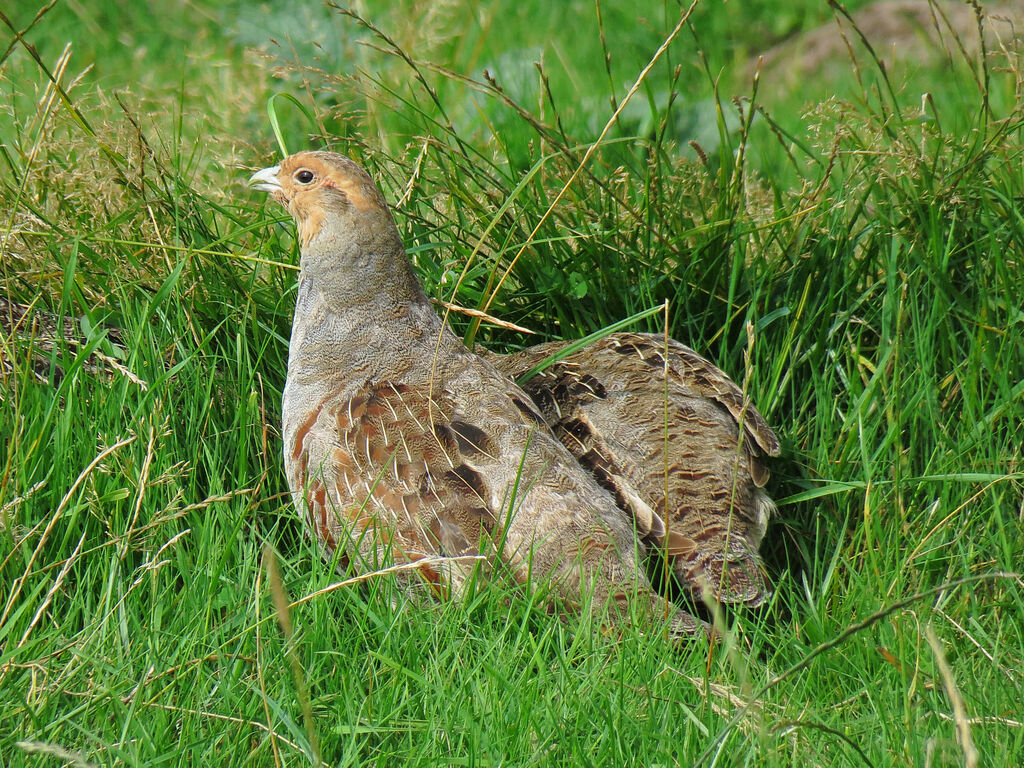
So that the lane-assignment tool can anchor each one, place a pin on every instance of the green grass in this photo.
(862, 275)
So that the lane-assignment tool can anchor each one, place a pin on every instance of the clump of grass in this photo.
(866, 293)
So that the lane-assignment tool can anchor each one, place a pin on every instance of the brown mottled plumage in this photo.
(34, 333)
(400, 444)
(677, 444)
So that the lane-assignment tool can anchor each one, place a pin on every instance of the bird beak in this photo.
(266, 179)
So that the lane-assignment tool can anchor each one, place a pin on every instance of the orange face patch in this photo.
(309, 220)
(352, 188)
(308, 200)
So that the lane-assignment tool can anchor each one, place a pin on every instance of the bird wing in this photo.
(384, 474)
(660, 427)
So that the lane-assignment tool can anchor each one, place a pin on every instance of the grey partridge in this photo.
(400, 445)
(677, 444)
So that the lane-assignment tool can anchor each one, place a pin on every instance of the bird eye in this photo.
(304, 176)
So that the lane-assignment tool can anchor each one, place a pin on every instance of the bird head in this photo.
(351, 250)
(321, 187)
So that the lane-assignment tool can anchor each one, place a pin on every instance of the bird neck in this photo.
(357, 264)
(359, 304)
(352, 326)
